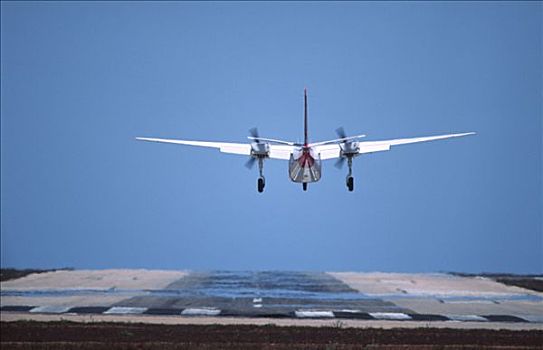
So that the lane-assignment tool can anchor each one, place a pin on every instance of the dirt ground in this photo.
(377, 283)
(73, 335)
(11, 274)
(95, 279)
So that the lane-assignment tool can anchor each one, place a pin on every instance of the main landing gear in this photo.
(350, 183)
(261, 183)
(350, 179)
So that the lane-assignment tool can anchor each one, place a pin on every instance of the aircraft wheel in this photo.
(261, 184)
(304, 186)
(350, 183)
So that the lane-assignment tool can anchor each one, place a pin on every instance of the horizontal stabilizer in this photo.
(342, 139)
(271, 140)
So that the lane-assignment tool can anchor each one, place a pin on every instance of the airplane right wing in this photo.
(328, 151)
(376, 146)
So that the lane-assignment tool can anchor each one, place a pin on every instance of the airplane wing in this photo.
(276, 151)
(330, 151)
(336, 140)
(281, 151)
(225, 147)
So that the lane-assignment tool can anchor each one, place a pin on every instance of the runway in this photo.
(369, 297)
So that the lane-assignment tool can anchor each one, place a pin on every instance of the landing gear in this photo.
(350, 183)
(350, 179)
(304, 186)
(261, 183)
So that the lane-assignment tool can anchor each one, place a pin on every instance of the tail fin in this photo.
(306, 141)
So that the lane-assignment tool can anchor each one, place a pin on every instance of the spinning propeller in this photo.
(254, 135)
(349, 146)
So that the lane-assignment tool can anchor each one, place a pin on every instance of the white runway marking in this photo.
(465, 318)
(314, 314)
(257, 302)
(123, 310)
(50, 309)
(390, 316)
(349, 311)
(476, 301)
(201, 312)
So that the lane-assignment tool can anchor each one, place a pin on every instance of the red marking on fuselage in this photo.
(306, 160)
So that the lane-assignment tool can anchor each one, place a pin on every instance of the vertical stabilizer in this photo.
(306, 141)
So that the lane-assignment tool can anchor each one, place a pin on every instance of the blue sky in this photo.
(80, 80)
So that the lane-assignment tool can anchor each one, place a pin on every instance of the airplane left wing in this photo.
(225, 147)
(334, 150)
(276, 151)
(281, 151)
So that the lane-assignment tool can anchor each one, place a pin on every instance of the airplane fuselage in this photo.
(304, 165)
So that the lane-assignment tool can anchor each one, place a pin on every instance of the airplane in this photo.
(304, 158)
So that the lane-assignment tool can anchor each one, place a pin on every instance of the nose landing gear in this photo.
(304, 186)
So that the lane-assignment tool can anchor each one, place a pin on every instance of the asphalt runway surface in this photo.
(273, 295)
(261, 294)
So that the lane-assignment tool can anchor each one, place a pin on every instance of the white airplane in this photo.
(304, 158)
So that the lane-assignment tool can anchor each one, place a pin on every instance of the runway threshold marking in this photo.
(50, 309)
(124, 310)
(314, 314)
(201, 312)
(390, 316)
(262, 312)
(467, 318)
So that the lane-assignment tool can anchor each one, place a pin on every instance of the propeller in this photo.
(254, 133)
(250, 163)
(346, 145)
(260, 146)
(339, 163)
(341, 132)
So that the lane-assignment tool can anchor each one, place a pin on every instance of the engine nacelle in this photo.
(349, 148)
(260, 149)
